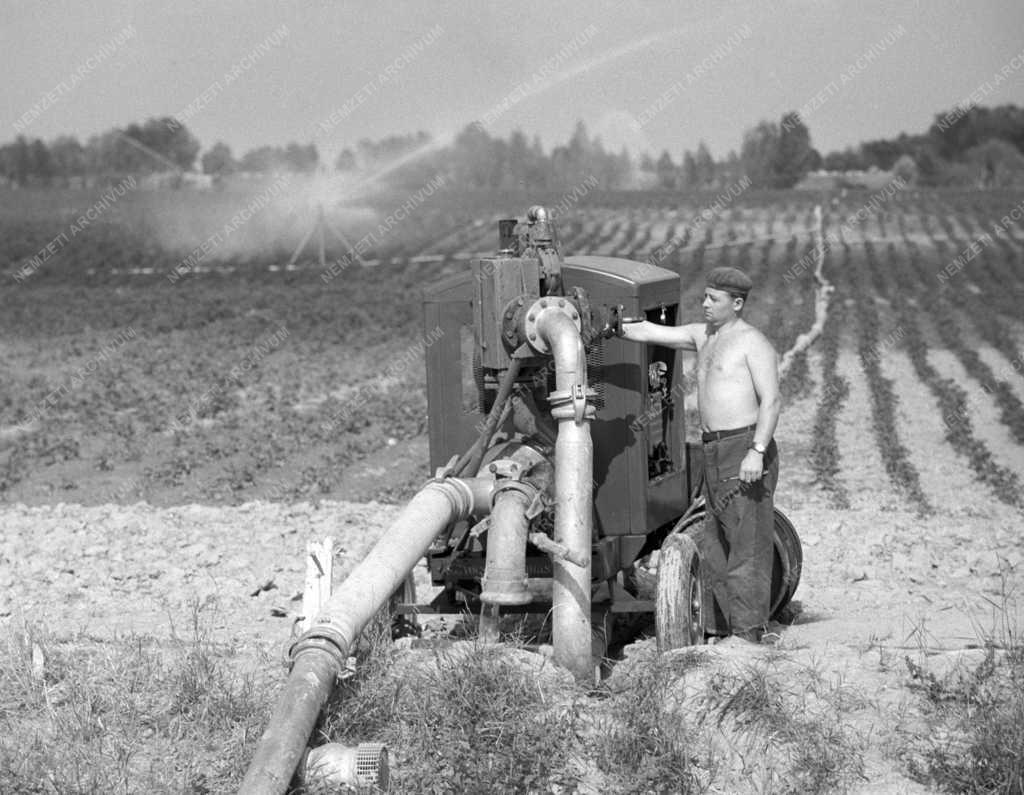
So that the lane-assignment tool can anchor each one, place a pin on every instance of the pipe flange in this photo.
(551, 303)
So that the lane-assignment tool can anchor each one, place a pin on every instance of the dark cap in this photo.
(732, 280)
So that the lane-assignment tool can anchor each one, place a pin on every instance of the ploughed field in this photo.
(195, 416)
(231, 377)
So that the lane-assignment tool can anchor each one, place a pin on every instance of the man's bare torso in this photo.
(725, 390)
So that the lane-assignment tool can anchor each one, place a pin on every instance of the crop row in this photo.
(949, 329)
(884, 401)
(825, 458)
(899, 282)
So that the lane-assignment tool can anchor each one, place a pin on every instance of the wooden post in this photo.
(319, 571)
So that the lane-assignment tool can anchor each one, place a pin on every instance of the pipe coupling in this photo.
(575, 403)
(459, 495)
(526, 489)
(322, 638)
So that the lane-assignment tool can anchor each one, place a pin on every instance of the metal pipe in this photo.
(574, 464)
(318, 656)
(504, 580)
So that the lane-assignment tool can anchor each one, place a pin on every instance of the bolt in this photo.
(561, 302)
(531, 317)
(533, 337)
(575, 315)
(519, 302)
(543, 302)
(493, 468)
(508, 315)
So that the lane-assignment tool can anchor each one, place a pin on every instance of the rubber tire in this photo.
(787, 558)
(787, 563)
(679, 595)
(404, 625)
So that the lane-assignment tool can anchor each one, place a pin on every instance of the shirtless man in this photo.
(738, 399)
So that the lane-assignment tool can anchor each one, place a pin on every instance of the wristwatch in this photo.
(757, 447)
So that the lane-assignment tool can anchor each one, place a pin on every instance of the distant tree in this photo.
(473, 158)
(167, 142)
(847, 160)
(69, 160)
(996, 164)
(881, 153)
(705, 165)
(957, 130)
(906, 169)
(173, 141)
(794, 155)
(22, 161)
(42, 168)
(19, 161)
(301, 159)
(666, 171)
(263, 160)
(732, 169)
(689, 170)
(620, 172)
(219, 161)
(759, 153)
(112, 153)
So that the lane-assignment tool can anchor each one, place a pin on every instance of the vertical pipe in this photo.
(504, 580)
(574, 466)
(570, 595)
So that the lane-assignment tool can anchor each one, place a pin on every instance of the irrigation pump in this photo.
(560, 462)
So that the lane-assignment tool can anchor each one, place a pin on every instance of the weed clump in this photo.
(975, 742)
(643, 742)
(128, 715)
(467, 717)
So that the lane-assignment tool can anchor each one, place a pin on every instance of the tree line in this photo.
(963, 146)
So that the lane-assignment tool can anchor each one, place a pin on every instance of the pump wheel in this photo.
(679, 595)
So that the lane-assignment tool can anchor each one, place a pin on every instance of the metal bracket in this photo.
(579, 402)
(556, 550)
(442, 473)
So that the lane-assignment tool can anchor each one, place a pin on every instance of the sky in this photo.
(645, 75)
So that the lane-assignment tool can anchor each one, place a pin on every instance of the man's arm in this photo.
(763, 365)
(683, 337)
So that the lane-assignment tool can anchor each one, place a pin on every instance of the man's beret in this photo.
(732, 280)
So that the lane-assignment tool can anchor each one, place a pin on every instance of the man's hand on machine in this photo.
(614, 325)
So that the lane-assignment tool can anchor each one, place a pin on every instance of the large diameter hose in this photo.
(574, 465)
(320, 653)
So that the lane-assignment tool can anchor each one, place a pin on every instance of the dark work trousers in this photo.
(736, 543)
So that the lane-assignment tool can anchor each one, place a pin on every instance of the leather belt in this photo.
(714, 436)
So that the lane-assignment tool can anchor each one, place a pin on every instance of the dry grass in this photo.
(138, 715)
(133, 715)
(974, 712)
